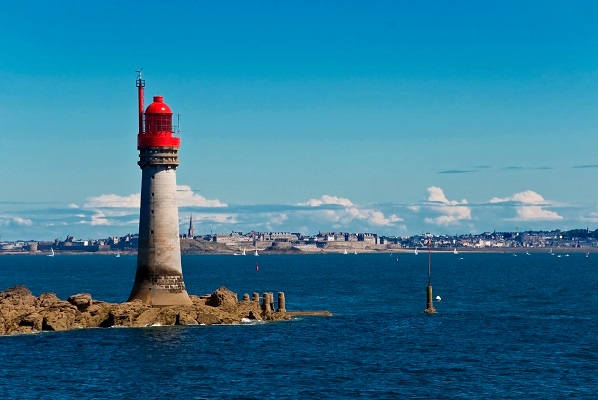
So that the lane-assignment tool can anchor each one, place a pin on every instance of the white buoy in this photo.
(438, 298)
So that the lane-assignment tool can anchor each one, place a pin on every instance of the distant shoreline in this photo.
(421, 251)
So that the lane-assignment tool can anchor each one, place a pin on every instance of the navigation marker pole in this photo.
(430, 305)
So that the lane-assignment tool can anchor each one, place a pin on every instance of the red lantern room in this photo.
(158, 117)
(158, 126)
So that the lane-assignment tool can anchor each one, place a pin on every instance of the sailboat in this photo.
(52, 250)
(354, 251)
(117, 255)
(345, 251)
(415, 252)
(455, 251)
(255, 254)
(243, 254)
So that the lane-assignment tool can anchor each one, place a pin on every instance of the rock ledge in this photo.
(22, 312)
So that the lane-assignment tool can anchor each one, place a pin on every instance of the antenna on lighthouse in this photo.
(140, 83)
(178, 124)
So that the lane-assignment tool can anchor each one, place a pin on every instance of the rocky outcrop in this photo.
(22, 312)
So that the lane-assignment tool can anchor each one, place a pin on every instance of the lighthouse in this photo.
(159, 276)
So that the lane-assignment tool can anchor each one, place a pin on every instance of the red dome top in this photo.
(158, 106)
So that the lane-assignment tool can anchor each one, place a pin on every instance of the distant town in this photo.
(324, 242)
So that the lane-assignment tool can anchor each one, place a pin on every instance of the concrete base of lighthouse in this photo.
(160, 296)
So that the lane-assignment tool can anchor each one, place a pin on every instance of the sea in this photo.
(508, 326)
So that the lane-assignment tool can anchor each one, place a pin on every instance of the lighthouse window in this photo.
(152, 231)
(158, 123)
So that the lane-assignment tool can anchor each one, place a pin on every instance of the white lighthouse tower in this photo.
(159, 277)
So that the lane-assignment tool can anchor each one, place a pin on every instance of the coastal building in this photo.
(232, 238)
(370, 238)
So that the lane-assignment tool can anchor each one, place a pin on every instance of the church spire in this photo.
(191, 231)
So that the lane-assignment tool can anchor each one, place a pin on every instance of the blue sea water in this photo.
(507, 327)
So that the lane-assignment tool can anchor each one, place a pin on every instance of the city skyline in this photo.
(391, 117)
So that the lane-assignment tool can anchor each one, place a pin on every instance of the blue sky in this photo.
(390, 117)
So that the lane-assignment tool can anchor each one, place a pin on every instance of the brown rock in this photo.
(223, 298)
(47, 299)
(207, 319)
(35, 321)
(21, 312)
(126, 313)
(17, 296)
(81, 300)
(148, 317)
(188, 316)
(58, 318)
(97, 315)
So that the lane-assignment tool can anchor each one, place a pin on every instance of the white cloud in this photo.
(527, 197)
(536, 213)
(377, 218)
(18, 221)
(22, 221)
(326, 199)
(184, 195)
(73, 205)
(278, 218)
(529, 207)
(275, 220)
(114, 200)
(451, 211)
(99, 218)
(187, 198)
(341, 218)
